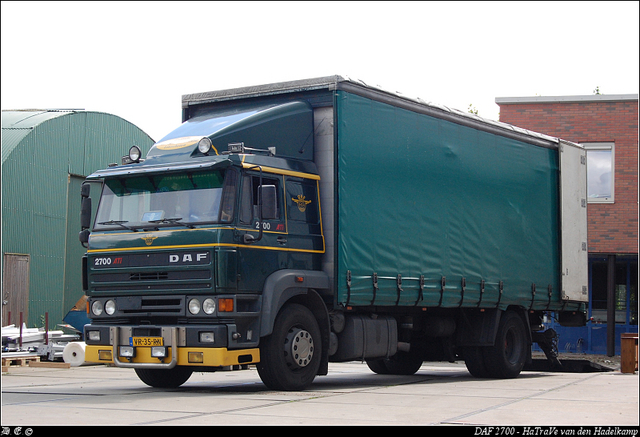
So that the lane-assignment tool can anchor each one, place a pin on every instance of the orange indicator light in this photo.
(225, 305)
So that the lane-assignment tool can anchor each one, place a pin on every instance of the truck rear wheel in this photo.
(506, 358)
(474, 360)
(164, 378)
(290, 356)
(402, 363)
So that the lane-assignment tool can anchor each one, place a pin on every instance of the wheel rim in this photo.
(298, 348)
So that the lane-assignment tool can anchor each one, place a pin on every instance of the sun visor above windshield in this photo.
(287, 126)
(217, 162)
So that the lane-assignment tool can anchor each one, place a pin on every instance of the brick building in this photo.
(607, 126)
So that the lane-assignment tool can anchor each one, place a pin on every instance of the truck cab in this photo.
(184, 241)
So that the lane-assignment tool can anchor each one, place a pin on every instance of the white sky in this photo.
(136, 60)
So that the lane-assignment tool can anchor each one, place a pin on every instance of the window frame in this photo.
(105, 203)
(250, 182)
(312, 188)
(600, 147)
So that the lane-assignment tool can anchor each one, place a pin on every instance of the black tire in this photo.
(290, 357)
(474, 360)
(506, 358)
(402, 363)
(378, 366)
(164, 378)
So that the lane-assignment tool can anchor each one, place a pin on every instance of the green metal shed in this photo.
(46, 155)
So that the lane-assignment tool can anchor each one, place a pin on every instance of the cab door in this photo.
(262, 256)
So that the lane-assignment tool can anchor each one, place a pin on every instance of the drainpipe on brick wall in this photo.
(611, 305)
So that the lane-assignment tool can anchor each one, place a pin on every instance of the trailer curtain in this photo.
(471, 215)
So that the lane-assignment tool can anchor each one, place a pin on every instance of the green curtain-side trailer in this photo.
(445, 215)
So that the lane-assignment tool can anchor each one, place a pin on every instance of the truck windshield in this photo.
(177, 199)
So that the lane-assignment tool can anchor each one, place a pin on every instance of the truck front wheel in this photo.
(290, 356)
(164, 378)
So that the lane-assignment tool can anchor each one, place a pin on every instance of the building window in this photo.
(625, 296)
(600, 172)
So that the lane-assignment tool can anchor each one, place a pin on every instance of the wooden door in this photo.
(15, 288)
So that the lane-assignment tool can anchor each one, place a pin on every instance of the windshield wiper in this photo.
(119, 223)
(173, 220)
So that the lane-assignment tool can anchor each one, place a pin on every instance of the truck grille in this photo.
(160, 271)
(179, 280)
(157, 305)
(154, 276)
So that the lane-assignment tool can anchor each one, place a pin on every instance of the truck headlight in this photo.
(194, 306)
(110, 307)
(209, 306)
(96, 308)
(127, 351)
(158, 351)
(204, 145)
(207, 337)
(135, 153)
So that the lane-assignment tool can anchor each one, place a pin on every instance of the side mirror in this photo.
(85, 212)
(267, 195)
(83, 236)
(85, 191)
(269, 202)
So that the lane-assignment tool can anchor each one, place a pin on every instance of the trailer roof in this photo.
(331, 83)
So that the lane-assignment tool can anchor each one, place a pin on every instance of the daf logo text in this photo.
(188, 257)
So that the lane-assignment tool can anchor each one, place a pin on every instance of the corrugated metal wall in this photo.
(41, 179)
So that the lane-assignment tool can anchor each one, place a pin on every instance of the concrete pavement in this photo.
(439, 394)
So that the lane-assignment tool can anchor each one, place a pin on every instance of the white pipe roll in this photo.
(73, 353)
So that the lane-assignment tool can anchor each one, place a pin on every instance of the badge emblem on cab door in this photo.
(301, 202)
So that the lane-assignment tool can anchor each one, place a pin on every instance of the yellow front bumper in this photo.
(187, 356)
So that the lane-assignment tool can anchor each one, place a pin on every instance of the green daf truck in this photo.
(294, 224)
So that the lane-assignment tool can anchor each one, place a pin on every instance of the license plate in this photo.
(147, 341)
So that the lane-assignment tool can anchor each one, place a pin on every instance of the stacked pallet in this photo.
(17, 359)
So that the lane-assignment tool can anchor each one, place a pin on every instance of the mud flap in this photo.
(478, 328)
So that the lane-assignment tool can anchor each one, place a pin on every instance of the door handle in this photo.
(281, 240)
